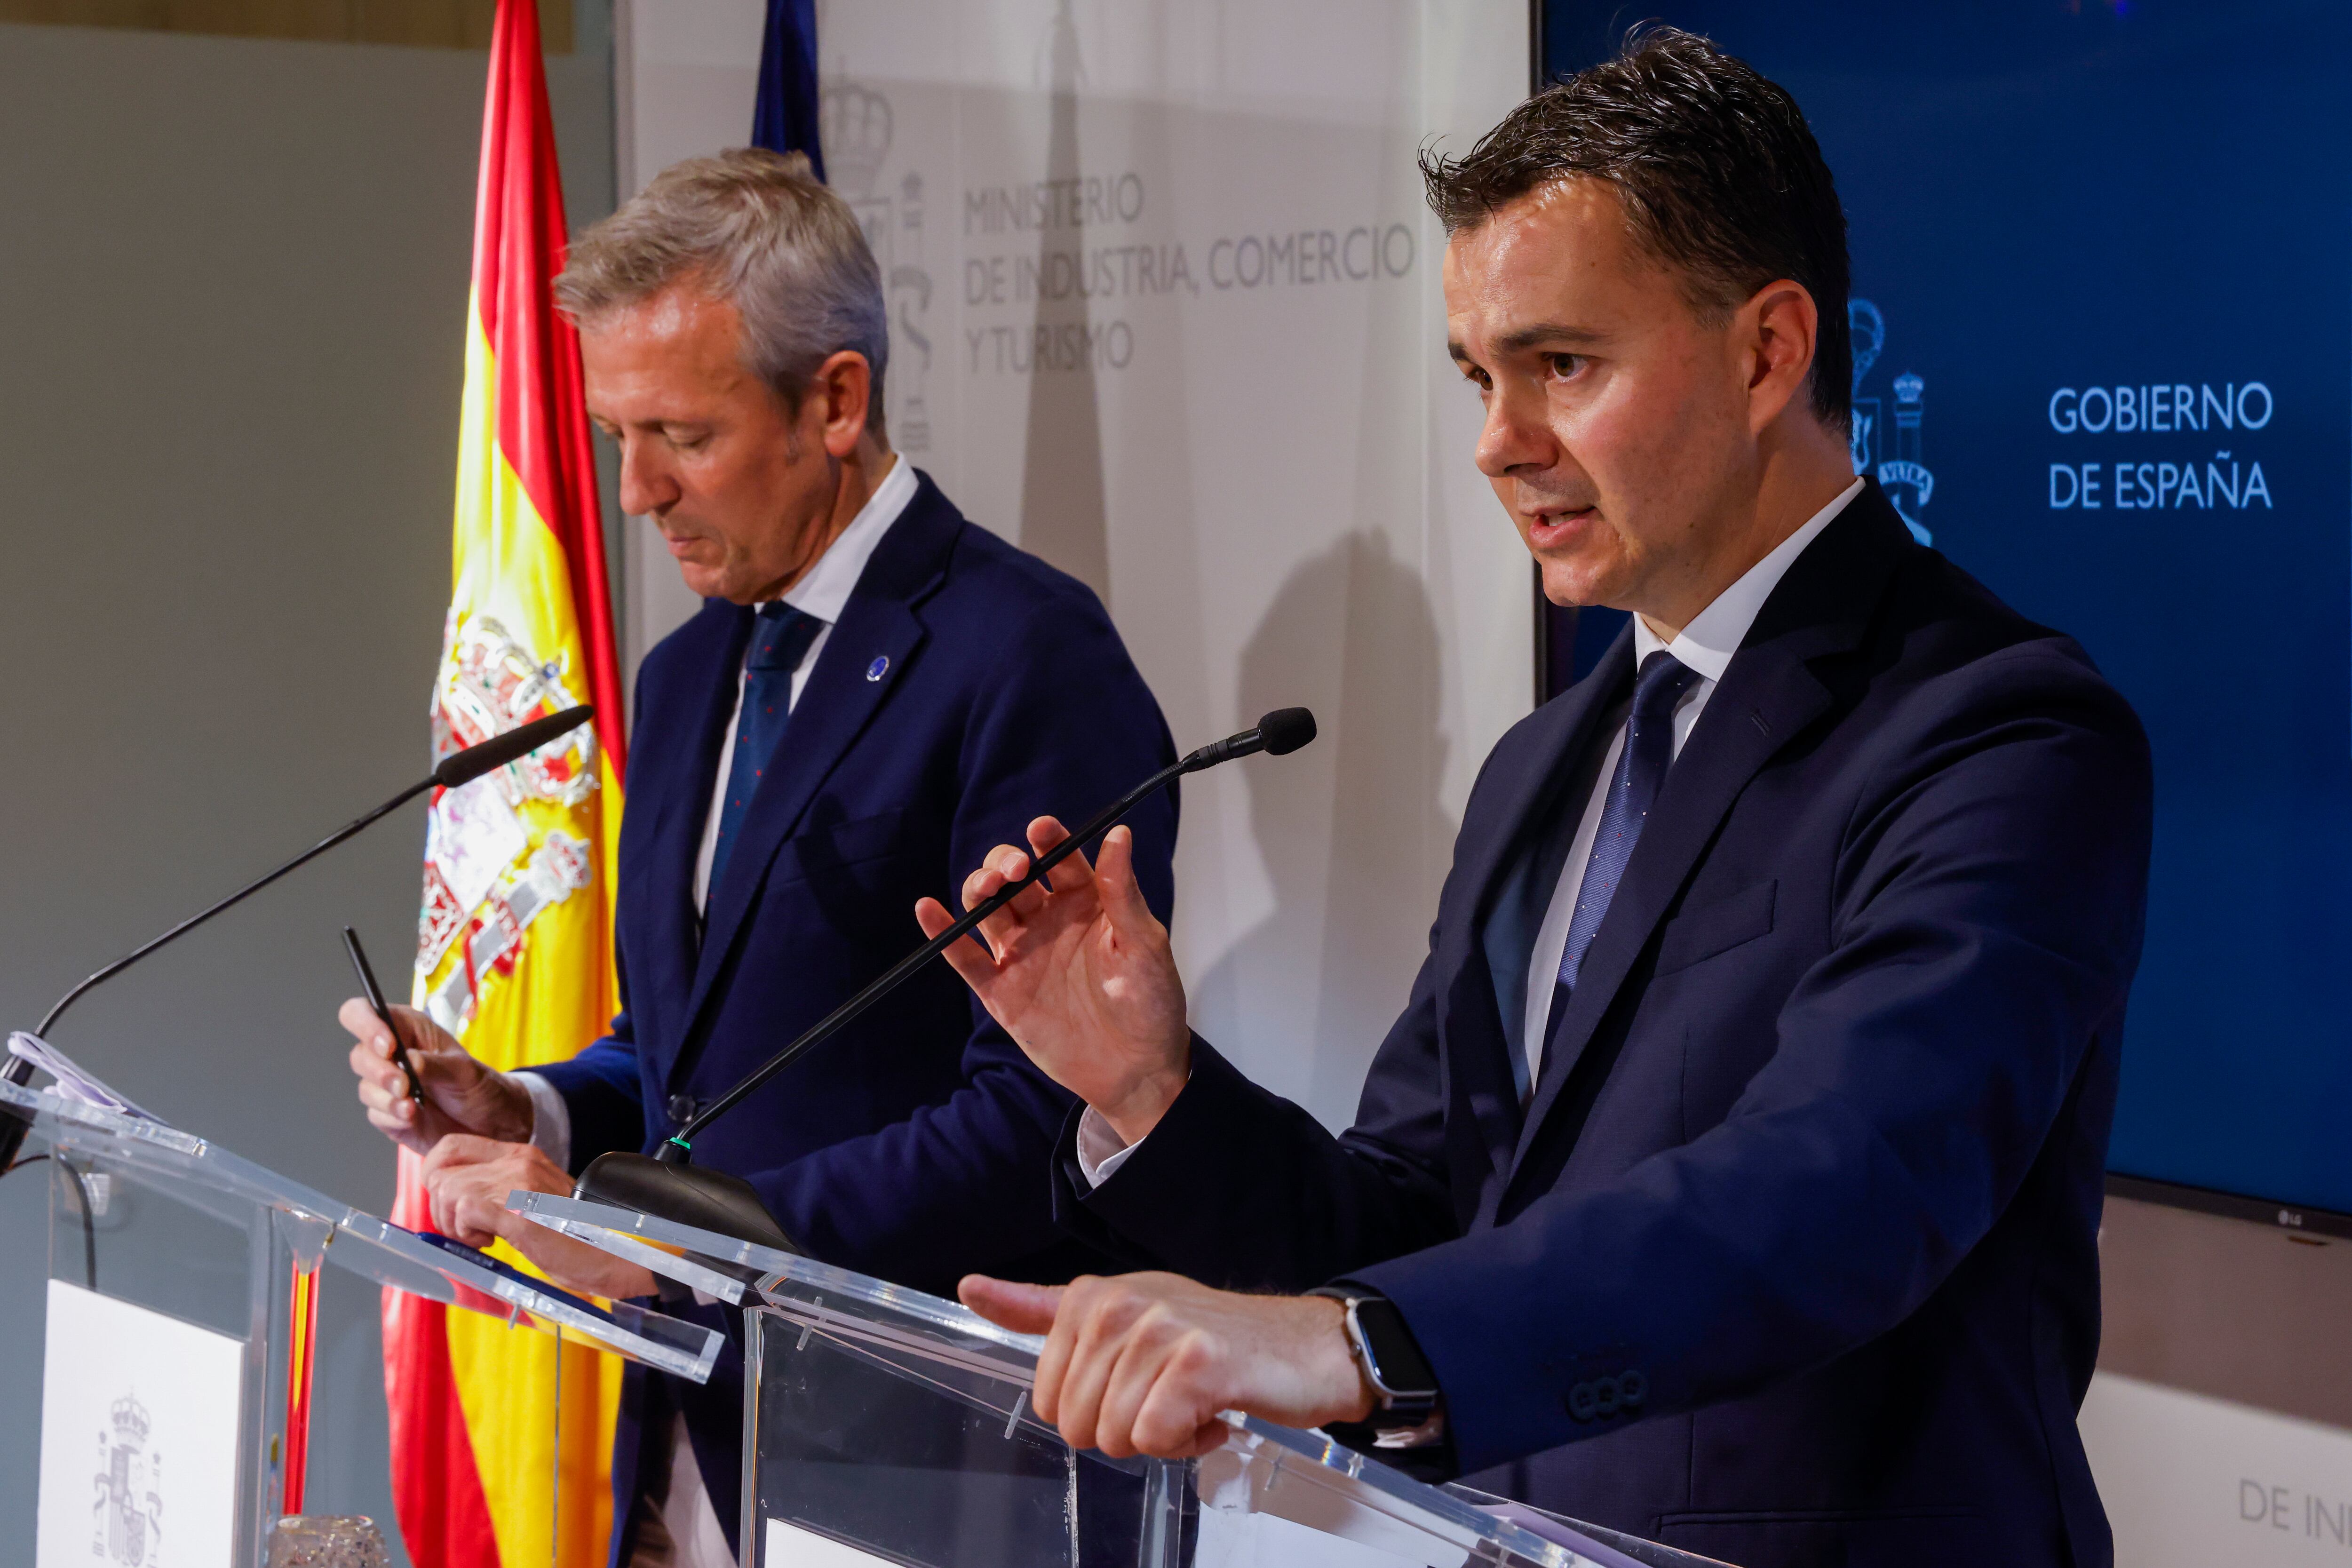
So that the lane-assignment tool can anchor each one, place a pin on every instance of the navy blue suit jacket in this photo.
(966, 688)
(1792, 1256)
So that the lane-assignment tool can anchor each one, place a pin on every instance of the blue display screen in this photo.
(2103, 356)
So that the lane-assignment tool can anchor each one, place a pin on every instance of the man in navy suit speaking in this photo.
(1733, 1174)
(875, 693)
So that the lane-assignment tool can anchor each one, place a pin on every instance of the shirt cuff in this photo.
(1100, 1152)
(550, 1119)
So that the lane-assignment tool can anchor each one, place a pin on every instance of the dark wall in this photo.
(232, 306)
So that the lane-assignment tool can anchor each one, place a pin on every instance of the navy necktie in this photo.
(1641, 768)
(780, 640)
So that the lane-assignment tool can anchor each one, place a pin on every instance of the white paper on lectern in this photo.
(139, 1437)
(1225, 1541)
(789, 1546)
(1268, 1541)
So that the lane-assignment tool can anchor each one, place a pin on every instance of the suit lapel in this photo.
(1766, 697)
(862, 662)
(1494, 869)
(683, 802)
(1564, 729)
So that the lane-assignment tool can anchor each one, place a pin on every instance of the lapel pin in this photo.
(879, 667)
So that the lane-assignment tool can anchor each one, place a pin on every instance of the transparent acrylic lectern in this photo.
(882, 1426)
(160, 1238)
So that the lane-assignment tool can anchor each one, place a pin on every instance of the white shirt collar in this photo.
(823, 590)
(1716, 633)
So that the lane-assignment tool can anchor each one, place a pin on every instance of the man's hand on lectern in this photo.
(467, 1180)
(461, 1095)
(1143, 1363)
(1078, 971)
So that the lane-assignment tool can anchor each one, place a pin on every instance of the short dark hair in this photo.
(1719, 173)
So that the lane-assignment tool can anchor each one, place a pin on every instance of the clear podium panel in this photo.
(181, 1328)
(851, 1445)
(162, 1395)
(883, 1425)
(734, 1271)
(391, 1256)
(133, 1154)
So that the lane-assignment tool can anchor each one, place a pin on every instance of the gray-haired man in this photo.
(875, 693)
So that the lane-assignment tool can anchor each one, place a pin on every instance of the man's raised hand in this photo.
(1079, 973)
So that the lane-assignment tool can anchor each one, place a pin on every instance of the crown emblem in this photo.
(1908, 387)
(1868, 328)
(854, 128)
(130, 1419)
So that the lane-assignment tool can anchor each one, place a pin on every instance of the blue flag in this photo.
(785, 118)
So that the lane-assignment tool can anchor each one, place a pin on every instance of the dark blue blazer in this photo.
(966, 688)
(1793, 1257)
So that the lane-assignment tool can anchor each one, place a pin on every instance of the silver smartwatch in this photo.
(1400, 1375)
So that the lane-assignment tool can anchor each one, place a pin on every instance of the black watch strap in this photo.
(1401, 1376)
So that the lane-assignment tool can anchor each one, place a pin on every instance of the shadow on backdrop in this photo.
(1359, 837)
(1062, 497)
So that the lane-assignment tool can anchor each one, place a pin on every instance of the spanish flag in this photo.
(500, 1439)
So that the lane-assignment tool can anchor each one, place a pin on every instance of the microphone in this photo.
(669, 1187)
(457, 768)
(1277, 734)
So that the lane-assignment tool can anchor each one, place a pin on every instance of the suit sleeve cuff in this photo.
(550, 1119)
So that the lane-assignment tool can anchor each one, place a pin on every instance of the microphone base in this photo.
(15, 1125)
(685, 1195)
(15, 1121)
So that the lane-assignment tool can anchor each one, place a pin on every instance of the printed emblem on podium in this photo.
(164, 1398)
(129, 1483)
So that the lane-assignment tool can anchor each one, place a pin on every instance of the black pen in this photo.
(374, 994)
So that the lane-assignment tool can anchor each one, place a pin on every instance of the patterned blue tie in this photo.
(780, 640)
(1641, 768)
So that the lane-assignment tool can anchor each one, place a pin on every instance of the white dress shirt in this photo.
(822, 591)
(686, 1531)
(1706, 645)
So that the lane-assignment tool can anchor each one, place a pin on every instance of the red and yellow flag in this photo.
(514, 942)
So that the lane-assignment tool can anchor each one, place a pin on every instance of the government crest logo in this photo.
(1899, 470)
(128, 1511)
(857, 127)
(495, 856)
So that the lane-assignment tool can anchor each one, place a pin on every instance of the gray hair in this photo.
(755, 229)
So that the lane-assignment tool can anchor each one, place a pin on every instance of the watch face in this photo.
(1397, 1360)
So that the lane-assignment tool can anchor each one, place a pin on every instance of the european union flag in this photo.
(785, 118)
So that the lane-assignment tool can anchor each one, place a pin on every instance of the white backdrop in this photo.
(1165, 311)
(2189, 1479)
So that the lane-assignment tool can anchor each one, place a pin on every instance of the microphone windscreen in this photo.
(464, 767)
(1286, 730)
